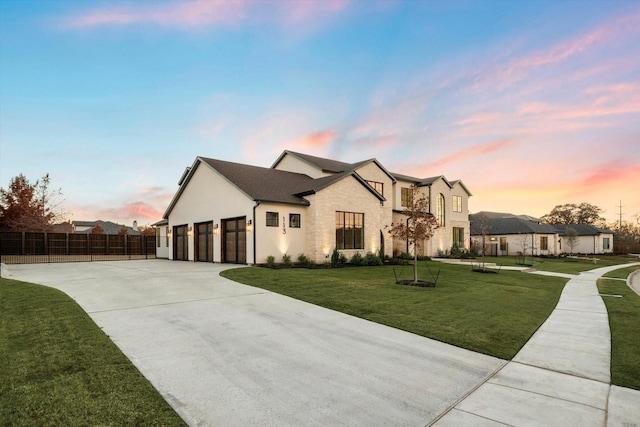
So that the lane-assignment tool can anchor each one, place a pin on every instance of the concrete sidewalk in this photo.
(561, 376)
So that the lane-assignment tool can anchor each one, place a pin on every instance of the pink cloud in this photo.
(318, 139)
(478, 150)
(193, 14)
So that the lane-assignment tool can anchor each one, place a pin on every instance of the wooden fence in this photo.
(29, 247)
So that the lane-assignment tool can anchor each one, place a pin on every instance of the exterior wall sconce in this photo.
(169, 232)
(190, 231)
(493, 239)
(215, 228)
(249, 222)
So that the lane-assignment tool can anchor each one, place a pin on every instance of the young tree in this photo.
(97, 229)
(123, 231)
(526, 242)
(572, 238)
(145, 230)
(483, 244)
(30, 207)
(418, 227)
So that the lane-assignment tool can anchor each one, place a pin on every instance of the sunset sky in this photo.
(530, 103)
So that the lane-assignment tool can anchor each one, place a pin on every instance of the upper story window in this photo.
(378, 186)
(440, 214)
(294, 220)
(272, 219)
(406, 197)
(457, 203)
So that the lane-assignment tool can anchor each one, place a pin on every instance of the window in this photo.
(503, 244)
(157, 237)
(441, 209)
(378, 186)
(605, 243)
(544, 243)
(457, 204)
(294, 220)
(349, 230)
(272, 219)
(406, 195)
(458, 236)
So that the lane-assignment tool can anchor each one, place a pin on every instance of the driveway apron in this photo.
(223, 353)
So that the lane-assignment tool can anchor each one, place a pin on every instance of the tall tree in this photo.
(29, 207)
(570, 213)
(418, 227)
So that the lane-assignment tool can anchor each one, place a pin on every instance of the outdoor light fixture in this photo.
(249, 222)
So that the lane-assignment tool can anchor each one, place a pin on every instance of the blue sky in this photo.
(530, 103)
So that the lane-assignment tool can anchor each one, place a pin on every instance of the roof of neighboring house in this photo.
(581, 229)
(108, 227)
(491, 215)
(510, 225)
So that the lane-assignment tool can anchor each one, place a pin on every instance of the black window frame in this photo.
(406, 196)
(375, 185)
(295, 223)
(349, 230)
(270, 219)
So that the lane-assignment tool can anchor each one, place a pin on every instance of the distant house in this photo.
(85, 227)
(237, 213)
(589, 240)
(503, 234)
(508, 234)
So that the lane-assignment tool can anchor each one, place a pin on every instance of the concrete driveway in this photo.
(222, 353)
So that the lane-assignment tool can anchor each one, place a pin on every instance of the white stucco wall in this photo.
(515, 244)
(162, 250)
(589, 245)
(210, 197)
(272, 240)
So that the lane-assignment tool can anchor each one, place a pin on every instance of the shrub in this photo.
(405, 256)
(286, 259)
(372, 259)
(357, 259)
(271, 261)
(302, 258)
(335, 258)
(343, 258)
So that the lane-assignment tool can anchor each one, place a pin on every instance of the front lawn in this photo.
(624, 321)
(493, 314)
(57, 367)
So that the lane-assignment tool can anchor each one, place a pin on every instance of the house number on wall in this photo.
(284, 226)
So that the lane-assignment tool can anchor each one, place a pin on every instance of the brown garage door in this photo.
(235, 240)
(204, 242)
(180, 243)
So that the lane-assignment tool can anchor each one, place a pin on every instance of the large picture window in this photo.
(349, 230)
(406, 197)
(272, 219)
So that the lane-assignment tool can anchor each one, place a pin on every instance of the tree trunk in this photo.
(415, 263)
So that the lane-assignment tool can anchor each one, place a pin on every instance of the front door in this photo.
(204, 242)
(180, 243)
(235, 240)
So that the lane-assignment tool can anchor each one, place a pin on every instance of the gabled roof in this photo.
(491, 215)
(510, 225)
(266, 184)
(581, 229)
(332, 166)
(426, 182)
(325, 165)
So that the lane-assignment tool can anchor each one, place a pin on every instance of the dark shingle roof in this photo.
(108, 227)
(581, 229)
(510, 225)
(326, 165)
(264, 184)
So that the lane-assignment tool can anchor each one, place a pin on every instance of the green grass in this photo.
(624, 320)
(560, 265)
(622, 273)
(493, 314)
(58, 368)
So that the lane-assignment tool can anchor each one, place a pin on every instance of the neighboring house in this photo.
(589, 239)
(507, 234)
(237, 213)
(85, 227)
